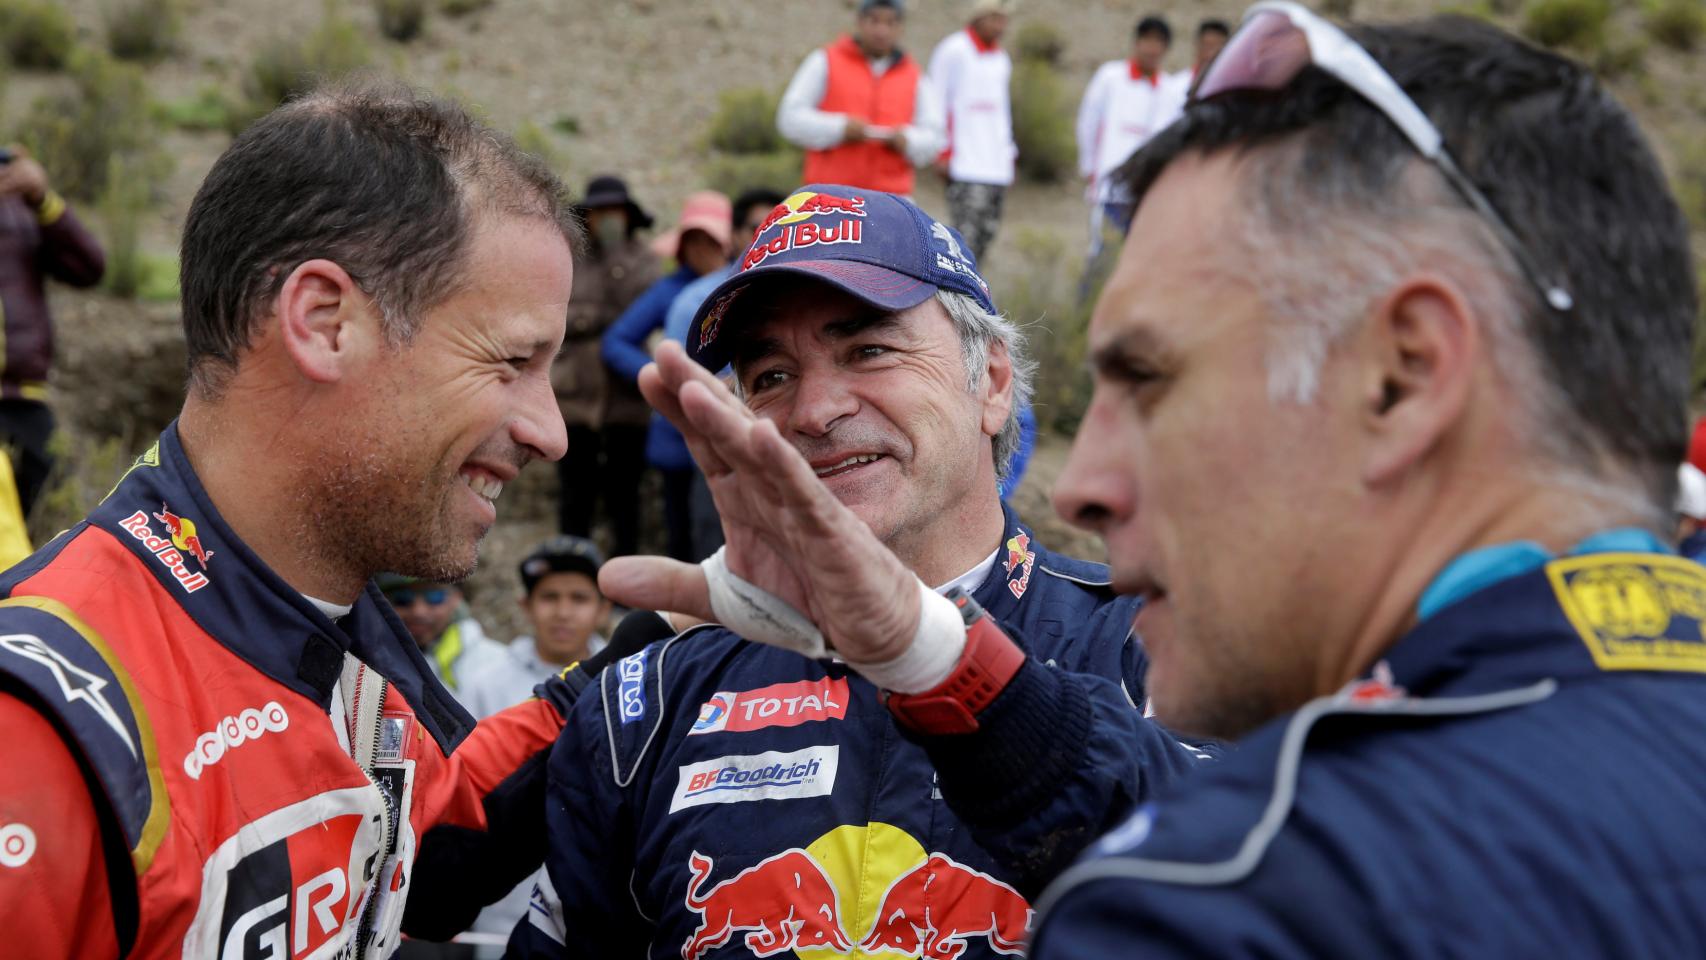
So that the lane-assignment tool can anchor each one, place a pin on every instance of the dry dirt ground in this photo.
(639, 78)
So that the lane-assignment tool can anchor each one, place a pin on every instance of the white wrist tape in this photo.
(756, 613)
(936, 648)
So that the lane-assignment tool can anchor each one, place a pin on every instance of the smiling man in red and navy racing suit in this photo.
(725, 798)
(220, 741)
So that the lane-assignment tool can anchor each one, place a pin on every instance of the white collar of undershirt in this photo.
(333, 611)
(973, 578)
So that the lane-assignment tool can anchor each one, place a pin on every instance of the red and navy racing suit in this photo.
(174, 784)
(1523, 774)
(722, 798)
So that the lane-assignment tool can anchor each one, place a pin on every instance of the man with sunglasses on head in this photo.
(1418, 298)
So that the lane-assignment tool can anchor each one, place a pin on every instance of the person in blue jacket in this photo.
(700, 245)
(724, 797)
(1390, 386)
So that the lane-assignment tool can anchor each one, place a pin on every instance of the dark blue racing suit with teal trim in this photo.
(1522, 775)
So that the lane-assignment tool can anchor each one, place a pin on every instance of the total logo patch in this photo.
(772, 775)
(176, 549)
(233, 732)
(778, 705)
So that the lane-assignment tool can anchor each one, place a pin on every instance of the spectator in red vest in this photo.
(864, 111)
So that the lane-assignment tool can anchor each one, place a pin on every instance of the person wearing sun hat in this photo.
(606, 416)
(700, 245)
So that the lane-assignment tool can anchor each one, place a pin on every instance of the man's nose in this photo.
(1097, 485)
(539, 424)
(820, 399)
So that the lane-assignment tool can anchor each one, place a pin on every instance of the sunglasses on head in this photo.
(1278, 39)
(408, 596)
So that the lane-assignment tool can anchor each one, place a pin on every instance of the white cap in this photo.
(1691, 491)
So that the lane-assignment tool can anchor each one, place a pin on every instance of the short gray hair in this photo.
(978, 330)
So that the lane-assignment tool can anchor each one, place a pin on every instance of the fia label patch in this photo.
(1635, 611)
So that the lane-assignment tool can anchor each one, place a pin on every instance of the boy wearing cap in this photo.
(560, 598)
(721, 797)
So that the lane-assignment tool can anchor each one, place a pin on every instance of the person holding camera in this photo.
(40, 237)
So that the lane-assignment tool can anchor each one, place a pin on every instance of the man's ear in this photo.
(323, 320)
(1425, 344)
(997, 388)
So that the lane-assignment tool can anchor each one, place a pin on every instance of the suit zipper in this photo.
(365, 756)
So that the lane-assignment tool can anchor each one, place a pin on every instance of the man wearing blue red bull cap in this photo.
(1398, 493)
(730, 798)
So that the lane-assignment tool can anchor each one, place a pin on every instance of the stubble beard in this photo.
(368, 516)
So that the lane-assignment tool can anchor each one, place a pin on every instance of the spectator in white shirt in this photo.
(864, 111)
(1127, 102)
(972, 74)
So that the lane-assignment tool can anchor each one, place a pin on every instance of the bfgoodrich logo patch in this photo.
(771, 775)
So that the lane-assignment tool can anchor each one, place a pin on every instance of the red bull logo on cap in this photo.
(807, 204)
(174, 550)
(932, 907)
(792, 216)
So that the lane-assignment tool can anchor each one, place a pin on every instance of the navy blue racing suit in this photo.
(722, 798)
(1522, 775)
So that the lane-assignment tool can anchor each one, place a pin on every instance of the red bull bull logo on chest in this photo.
(174, 551)
(858, 891)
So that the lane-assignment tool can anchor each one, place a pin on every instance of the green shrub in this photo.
(76, 134)
(1678, 24)
(36, 34)
(1040, 41)
(88, 469)
(401, 20)
(1042, 123)
(1620, 57)
(461, 8)
(1568, 23)
(532, 138)
(144, 30)
(1339, 9)
(778, 170)
(1037, 295)
(745, 122)
(1688, 180)
(284, 68)
(123, 203)
(209, 109)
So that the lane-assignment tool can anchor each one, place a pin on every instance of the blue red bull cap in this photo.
(875, 246)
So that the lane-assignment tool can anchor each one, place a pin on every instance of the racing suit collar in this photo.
(161, 512)
(1505, 616)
